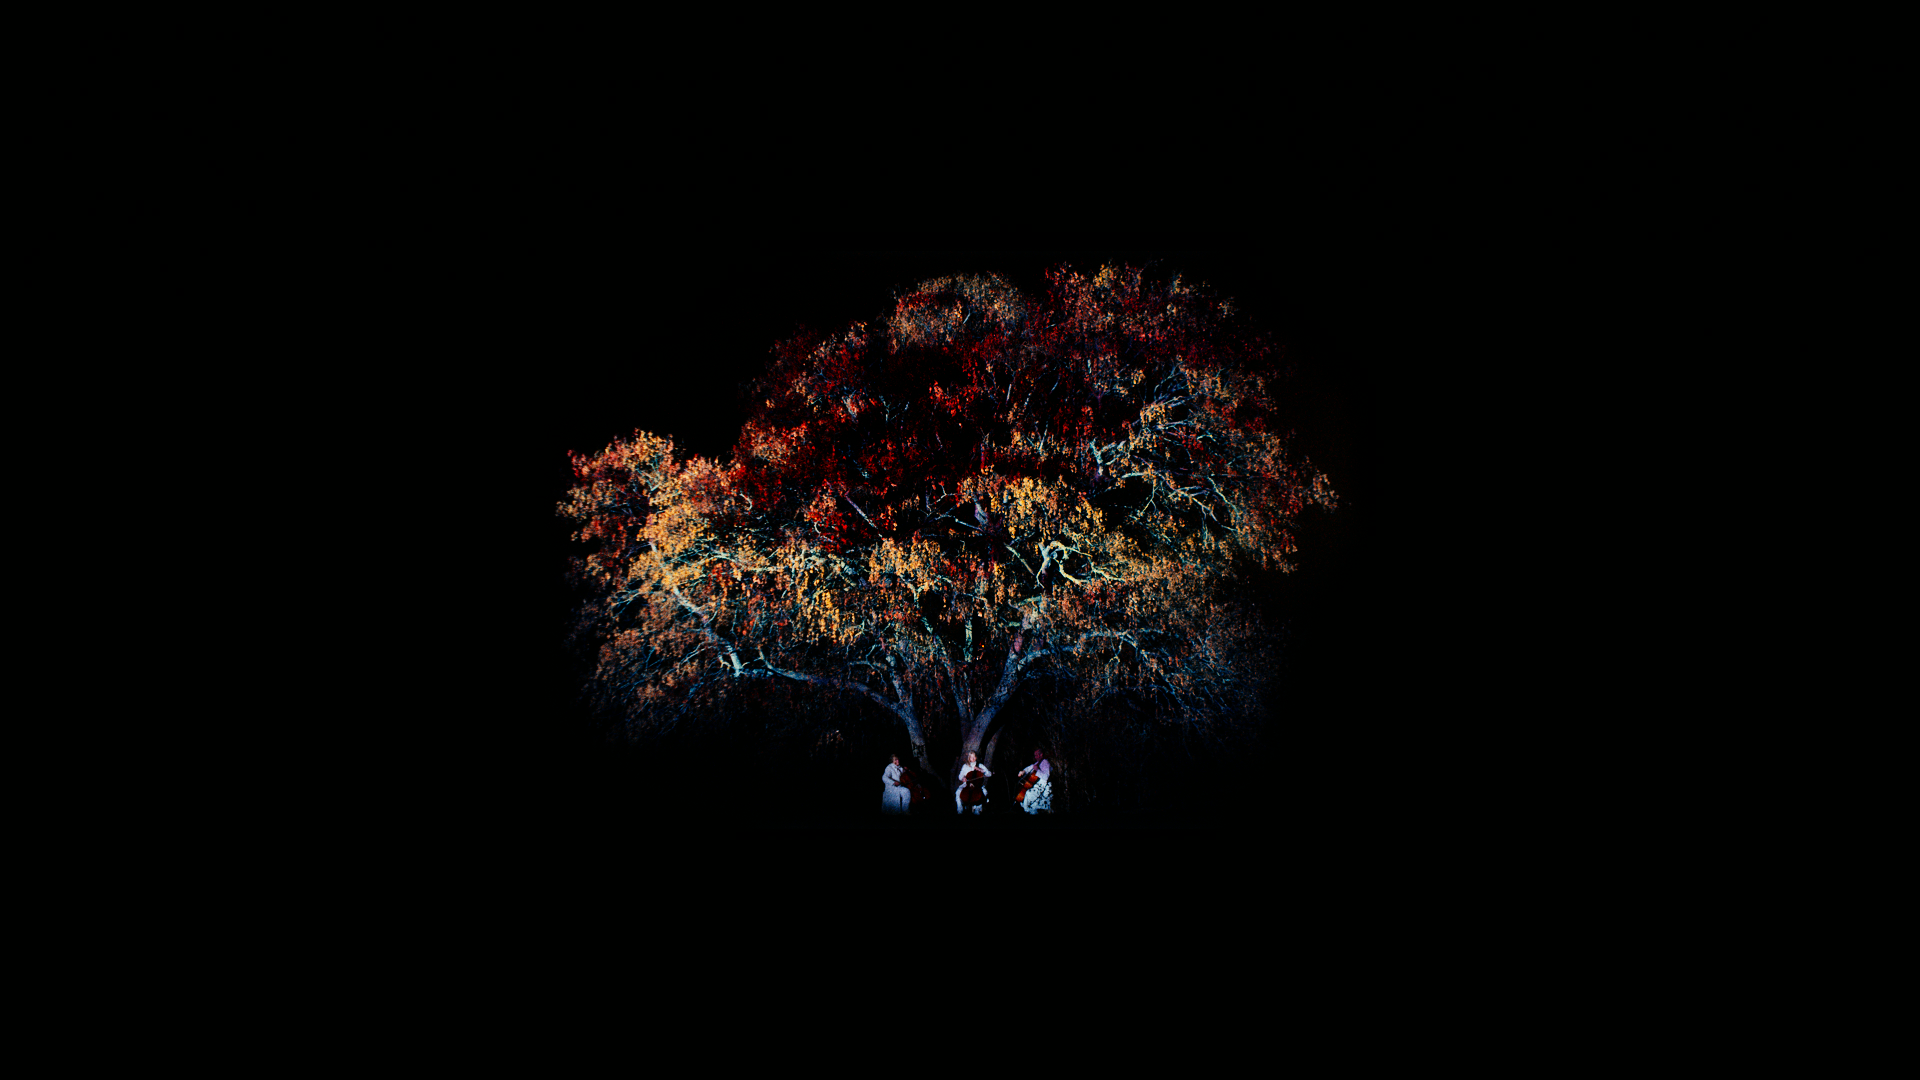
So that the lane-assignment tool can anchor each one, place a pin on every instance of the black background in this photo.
(598, 315)
(500, 282)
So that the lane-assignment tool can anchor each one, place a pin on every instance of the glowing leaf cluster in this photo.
(930, 510)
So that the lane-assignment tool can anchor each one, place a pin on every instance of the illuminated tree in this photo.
(930, 512)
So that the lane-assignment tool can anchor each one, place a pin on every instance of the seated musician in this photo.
(971, 794)
(897, 798)
(1039, 795)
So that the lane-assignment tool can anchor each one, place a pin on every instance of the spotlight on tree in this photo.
(935, 511)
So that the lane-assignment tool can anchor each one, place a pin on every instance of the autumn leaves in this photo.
(983, 477)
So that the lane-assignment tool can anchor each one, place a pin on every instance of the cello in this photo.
(1029, 777)
(974, 794)
(912, 784)
(1027, 781)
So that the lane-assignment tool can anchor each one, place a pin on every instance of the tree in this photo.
(930, 511)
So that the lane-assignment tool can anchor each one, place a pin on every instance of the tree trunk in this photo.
(983, 720)
(916, 737)
(904, 709)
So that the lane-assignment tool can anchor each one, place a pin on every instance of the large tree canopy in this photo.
(929, 512)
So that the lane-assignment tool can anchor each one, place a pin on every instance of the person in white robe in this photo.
(967, 766)
(897, 798)
(1040, 795)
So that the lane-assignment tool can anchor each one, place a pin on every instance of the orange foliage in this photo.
(930, 510)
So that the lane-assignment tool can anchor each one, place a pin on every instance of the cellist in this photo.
(974, 776)
(897, 798)
(1035, 784)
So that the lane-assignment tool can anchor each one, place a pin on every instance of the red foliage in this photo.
(984, 474)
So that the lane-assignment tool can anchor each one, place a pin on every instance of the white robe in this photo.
(960, 807)
(898, 798)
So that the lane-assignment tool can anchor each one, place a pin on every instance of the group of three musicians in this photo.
(971, 795)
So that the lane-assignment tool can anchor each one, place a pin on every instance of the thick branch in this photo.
(1014, 670)
(837, 684)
